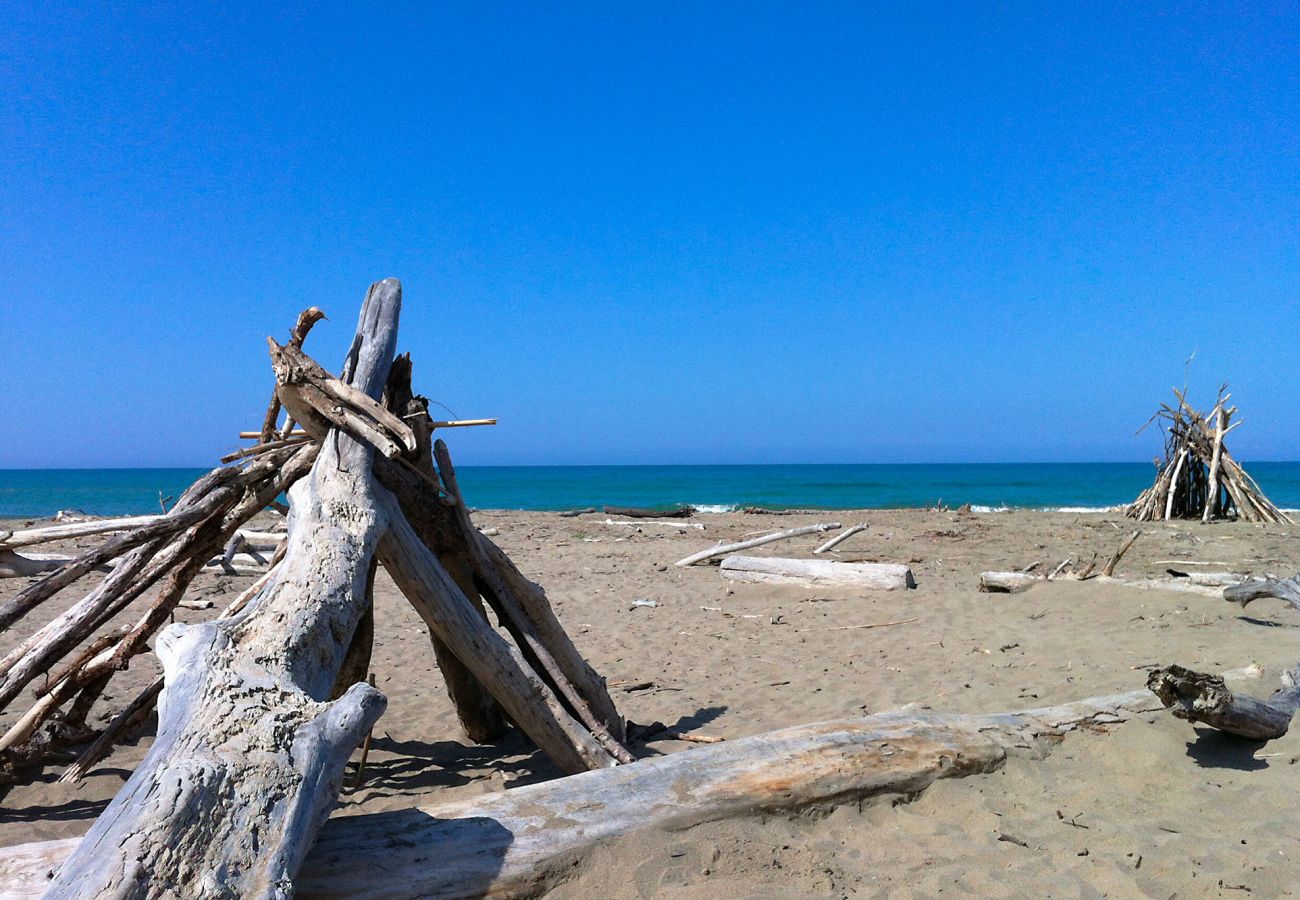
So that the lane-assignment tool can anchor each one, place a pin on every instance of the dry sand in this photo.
(1148, 808)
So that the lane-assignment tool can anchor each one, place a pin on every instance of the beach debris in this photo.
(1286, 589)
(81, 527)
(1109, 569)
(841, 537)
(698, 526)
(573, 513)
(644, 602)
(368, 486)
(537, 832)
(726, 549)
(1198, 478)
(639, 512)
(817, 572)
(24, 565)
(1197, 697)
(1008, 582)
(865, 625)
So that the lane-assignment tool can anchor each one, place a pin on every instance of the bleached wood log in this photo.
(728, 549)
(249, 754)
(841, 537)
(521, 842)
(1197, 697)
(24, 565)
(30, 536)
(1173, 483)
(775, 570)
(1008, 582)
(698, 526)
(1286, 589)
(1109, 569)
(1212, 492)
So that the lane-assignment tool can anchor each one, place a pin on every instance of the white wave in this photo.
(1082, 509)
(984, 509)
(715, 507)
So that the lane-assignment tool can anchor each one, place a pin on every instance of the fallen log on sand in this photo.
(1008, 582)
(728, 549)
(24, 565)
(45, 535)
(810, 572)
(1198, 697)
(522, 841)
(640, 512)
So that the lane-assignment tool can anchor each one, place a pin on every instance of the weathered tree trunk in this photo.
(250, 752)
(523, 841)
(1286, 589)
(1198, 697)
(776, 570)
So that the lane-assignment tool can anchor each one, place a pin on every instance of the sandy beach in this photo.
(1151, 807)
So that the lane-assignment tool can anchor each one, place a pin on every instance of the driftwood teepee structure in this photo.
(1198, 478)
(260, 709)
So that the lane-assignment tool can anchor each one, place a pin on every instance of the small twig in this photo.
(868, 625)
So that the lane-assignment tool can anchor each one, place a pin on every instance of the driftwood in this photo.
(259, 710)
(841, 537)
(640, 512)
(1109, 569)
(810, 572)
(46, 534)
(1197, 697)
(728, 549)
(25, 565)
(1198, 478)
(1008, 582)
(1286, 589)
(523, 841)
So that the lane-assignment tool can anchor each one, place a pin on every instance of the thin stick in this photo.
(365, 747)
(868, 625)
(724, 549)
(841, 537)
(1109, 568)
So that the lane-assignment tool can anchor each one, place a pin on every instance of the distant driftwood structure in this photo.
(1198, 478)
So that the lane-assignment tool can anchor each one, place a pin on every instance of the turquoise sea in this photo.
(42, 492)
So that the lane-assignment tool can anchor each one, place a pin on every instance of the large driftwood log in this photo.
(809, 572)
(641, 512)
(24, 565)
(1198, 697)
(250, 752)
(46, 534)
(1286, 589)
(522, 841)
(728, 549)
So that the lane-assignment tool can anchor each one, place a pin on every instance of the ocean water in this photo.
(42, 492)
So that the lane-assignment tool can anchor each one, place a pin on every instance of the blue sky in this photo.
(682, 233)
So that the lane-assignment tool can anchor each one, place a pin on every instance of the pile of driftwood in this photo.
(1198, 478)
(260, 708)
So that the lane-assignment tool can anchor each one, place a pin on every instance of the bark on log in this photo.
(523, 841)
(728, 549)
(808, 572)
(1197, 697)
(250, 753)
